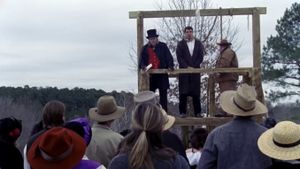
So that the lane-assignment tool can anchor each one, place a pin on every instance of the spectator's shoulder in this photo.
(162, 44)
(119, 161)
(181, 162)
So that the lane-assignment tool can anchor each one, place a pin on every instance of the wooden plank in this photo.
(192, 12)
(257, 55)
(144, 81)
(208, 121)
(240, 71)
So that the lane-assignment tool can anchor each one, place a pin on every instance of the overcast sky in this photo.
(86, 43)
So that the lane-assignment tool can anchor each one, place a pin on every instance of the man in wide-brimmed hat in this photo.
(233, 145)
(282, 143)
(58, 148)
(226, 59)
(104, 143)
(169, 139)
(156, 55)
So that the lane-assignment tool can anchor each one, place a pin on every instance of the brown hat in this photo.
(150, 97)
(281, 142)
(106, 110)
(242, 102)
(58, 148)
(224, 42)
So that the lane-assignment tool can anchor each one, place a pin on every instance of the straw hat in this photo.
(57, 148)
(170, 120)
(150, 97)
(242, 102)
(281, 142)
(106, 110)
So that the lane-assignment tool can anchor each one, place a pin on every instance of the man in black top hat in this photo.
(156, 55)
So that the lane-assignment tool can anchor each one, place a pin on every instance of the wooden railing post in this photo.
(211, 102)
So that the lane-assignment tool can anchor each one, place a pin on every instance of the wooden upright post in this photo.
(211, 100)
(257, 54)
(143, 78)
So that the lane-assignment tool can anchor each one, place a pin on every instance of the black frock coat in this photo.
(189, 83)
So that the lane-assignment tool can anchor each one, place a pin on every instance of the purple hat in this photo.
(82, 127)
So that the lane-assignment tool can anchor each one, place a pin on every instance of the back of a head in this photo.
(82, 127)
(198, 138)
(147, 117)
(147, 125)
(10, 129)
(58, 148)
(53, 114)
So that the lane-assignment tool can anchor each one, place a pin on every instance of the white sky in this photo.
(86, 43)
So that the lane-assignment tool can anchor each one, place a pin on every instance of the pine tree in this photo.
(281, 55)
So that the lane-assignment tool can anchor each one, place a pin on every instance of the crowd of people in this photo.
(90, 143)
(149, 144)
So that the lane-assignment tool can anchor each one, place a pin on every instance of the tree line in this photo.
(26, 103)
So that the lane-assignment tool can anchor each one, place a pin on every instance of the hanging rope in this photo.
(248, 25)
(221, 25)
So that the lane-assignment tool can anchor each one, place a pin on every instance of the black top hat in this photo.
(151, 33)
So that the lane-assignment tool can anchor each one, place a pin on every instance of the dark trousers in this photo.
(163, 98)
(183, 102)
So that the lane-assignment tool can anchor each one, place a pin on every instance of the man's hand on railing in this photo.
(171, 68)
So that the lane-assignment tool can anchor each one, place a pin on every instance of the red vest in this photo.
(153, 59)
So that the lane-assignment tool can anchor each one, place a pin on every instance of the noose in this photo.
(221, 26)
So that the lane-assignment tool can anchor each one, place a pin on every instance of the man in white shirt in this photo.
(189, 53)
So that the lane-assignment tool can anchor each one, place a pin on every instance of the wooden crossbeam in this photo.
(241, 71)
(192, 12)
(208, 121)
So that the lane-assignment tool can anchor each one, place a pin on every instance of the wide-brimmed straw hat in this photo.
(281, 142)
(150, 97)
(242, 102)
(106, 110)
(58, 148)
(224, 42)
(170, 120)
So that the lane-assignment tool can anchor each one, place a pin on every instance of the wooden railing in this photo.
(247, 73)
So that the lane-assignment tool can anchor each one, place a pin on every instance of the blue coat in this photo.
(121, 162)
(234, 146)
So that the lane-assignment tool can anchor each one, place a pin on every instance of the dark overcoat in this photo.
(166, 61)
(189, 83)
